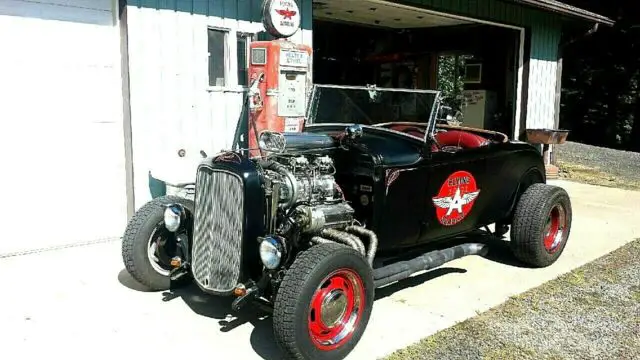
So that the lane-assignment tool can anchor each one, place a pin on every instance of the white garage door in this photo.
(62, 150)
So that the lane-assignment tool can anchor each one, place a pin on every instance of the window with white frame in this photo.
(218, 52)
(222, 63)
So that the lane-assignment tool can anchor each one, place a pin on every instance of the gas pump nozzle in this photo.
(255, 99)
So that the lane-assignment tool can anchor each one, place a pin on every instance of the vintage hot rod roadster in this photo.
(321, 218)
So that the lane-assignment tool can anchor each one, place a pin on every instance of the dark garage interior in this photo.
(457, 57)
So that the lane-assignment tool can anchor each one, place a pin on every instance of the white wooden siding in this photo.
(96, 12)
(542, 94)
(62, 149)
(172, 105)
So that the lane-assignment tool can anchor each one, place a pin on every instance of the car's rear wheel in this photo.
(148, 247)
(324, 303)
(541, 225)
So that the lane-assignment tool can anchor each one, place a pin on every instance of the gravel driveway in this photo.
(592, 312)
(598, 165)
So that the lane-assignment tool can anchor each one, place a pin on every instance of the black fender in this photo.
(533, 175)
(186, 224)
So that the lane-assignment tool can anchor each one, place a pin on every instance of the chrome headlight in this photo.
(271, 250)
(172, 217)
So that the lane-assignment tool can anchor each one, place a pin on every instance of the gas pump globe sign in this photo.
(281, 18)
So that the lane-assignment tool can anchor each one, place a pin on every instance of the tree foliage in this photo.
(601, 77)
(451, 78)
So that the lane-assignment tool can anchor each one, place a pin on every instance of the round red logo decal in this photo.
(456, 198)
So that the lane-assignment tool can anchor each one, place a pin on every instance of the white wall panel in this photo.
(97, 12)
(542, 93)
(62, 148)
(172, 105)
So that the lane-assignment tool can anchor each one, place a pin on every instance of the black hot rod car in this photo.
(321, 218)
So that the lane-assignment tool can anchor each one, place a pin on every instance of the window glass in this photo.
(243, 64)
(217, 53)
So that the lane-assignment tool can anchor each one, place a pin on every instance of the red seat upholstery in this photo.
(416, 133)
(408, 129)
(459, 138)
(450, 138)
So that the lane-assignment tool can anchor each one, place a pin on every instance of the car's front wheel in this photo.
(324, 303)
(541, 225)
(148, 247)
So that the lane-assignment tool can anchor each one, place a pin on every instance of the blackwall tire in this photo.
(144, 224)
(541, 225)
(332, 279)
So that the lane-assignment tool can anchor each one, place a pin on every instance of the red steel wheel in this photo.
(336, 308)
(324, 303)
(554, 230)
(541, 225)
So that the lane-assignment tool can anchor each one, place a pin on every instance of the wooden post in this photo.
(550, 158)
(433, 72)
(126, 110)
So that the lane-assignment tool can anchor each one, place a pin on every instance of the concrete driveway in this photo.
(80, 303)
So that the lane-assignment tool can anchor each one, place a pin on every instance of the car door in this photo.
(458, 194)
(403, 209)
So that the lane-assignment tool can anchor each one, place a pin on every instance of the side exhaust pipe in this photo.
(404, 269)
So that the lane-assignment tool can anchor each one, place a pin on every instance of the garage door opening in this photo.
(476, 65)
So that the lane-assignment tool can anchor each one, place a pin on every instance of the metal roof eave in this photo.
(566, 9)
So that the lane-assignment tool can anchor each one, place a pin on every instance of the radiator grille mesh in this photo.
(217, 238)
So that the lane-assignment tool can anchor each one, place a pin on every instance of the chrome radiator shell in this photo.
(218, 230)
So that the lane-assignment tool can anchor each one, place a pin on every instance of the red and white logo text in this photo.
(456, 198)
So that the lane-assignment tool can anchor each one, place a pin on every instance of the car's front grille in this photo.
(217, 232)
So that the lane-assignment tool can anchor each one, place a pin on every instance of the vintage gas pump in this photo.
(284, 72)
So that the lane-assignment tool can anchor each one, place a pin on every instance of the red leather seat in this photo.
(412, 130)
(453, 138)
(418, 134)
(408, 129)
(459, 138)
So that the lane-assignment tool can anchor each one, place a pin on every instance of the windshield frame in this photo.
(430, 124)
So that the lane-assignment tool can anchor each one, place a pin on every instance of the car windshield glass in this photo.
(369, 106)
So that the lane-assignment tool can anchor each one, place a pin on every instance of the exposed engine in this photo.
(304, 198)
(307, 189)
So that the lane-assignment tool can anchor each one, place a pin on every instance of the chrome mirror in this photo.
(354, 131)
(271, 141)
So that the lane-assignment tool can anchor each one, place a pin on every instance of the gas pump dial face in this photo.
(292, 94)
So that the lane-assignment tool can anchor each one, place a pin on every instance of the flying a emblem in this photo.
(287, 14)
(456, 198)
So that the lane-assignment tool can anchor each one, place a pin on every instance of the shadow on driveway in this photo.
(219, 308)
(262, 340)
